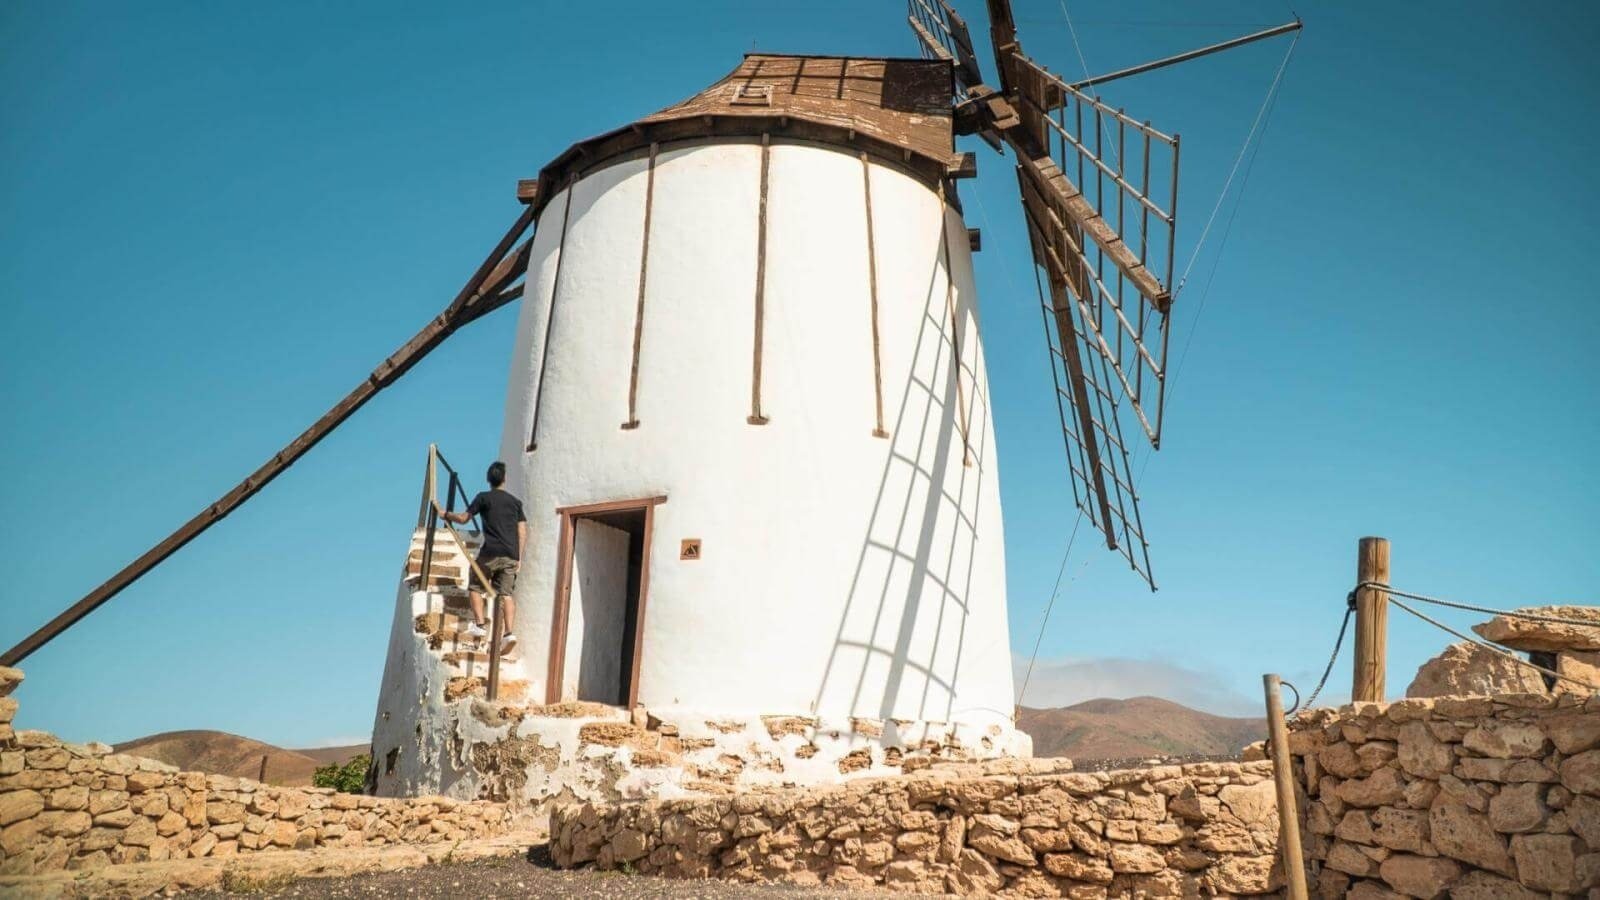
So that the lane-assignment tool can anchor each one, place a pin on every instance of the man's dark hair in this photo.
(497, 474)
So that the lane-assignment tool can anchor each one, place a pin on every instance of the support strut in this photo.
(487, 290)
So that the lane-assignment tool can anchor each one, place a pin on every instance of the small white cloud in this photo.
(1063, 682)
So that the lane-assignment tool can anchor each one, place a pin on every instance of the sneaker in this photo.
(475, 631)
(507, 641)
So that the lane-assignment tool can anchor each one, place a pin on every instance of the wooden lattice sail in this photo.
(1099, 192)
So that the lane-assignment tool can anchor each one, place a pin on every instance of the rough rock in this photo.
(1462, 834)
(1480, 885)
(1518, 808)
(1466, 668)
(1574, 733)
(1547, 862)
(1419, 876)
(1506, 740)
(1382, 787)
(1421, 754)
(1526, 634)
(1581, 774)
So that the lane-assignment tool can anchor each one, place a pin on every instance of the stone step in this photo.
(437, 578)
(477, 658)
(441, 537)
(447, 631)
(440, 560)
(440, 553)
(511, 691)
(445, 550)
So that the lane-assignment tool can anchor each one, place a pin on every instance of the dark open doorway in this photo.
(601, 588)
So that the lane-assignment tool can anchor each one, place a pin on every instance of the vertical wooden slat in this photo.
(872, 286)
(755, 417)
(644, 597)
(550, 316)
(955, 328)
(644, 272)
(557, 658)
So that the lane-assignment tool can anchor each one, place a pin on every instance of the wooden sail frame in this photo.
(1099, 192)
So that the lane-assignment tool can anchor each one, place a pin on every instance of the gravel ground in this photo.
(523, 877)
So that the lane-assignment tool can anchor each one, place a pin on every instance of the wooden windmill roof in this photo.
(896, 109)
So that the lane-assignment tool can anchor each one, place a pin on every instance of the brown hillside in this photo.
(340, 755)
(220, 753)
(1141, 726)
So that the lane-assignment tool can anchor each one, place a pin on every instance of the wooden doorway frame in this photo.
(563, 598)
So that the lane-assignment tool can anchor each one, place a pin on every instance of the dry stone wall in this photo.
(1025, 827)
(1478, 797)
(80, 806)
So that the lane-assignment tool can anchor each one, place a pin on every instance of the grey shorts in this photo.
(502, 573)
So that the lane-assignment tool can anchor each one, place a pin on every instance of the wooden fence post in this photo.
(1294, 866)
(496, 632)
(1372, 621)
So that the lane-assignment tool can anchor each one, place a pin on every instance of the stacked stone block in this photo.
(1027, 827)
(1470, 797)
(80, 806)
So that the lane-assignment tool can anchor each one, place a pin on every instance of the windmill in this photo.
(748, 387)
(1099, 193)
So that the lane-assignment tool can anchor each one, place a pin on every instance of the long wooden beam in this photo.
(1058, 275)
(1042, 171)
(1285, 28)
(468, 305)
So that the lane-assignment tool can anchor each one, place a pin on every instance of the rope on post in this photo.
(1334, 656)
(1495, 649)
(1513, 613)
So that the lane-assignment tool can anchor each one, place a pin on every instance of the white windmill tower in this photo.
(748, 417)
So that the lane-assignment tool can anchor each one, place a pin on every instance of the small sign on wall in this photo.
(689, 549)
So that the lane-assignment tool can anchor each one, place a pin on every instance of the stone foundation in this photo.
(435, 733)
(1483, 797)
(80, 806)
(457, 744)
(1026, 827)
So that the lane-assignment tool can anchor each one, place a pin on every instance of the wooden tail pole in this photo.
(262, 775)
(1294, 867)
(483, 292)
(1372, 621)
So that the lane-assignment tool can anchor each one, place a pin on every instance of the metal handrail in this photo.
(454, 489)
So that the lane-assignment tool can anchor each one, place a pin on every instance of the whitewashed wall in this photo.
(842, 574)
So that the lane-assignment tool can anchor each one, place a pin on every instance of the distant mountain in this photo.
(1137, 727)
(220, 753)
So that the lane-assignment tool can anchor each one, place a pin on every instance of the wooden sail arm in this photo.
(1045, 176)
(487, 288)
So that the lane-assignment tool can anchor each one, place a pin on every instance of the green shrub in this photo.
(351, 778)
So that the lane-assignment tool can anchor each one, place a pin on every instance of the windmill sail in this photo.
(1106, 246)
(1099, 193)
(943, 35)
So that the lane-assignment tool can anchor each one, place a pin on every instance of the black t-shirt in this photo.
(500, 512)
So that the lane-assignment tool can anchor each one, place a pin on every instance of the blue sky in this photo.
(219, 217)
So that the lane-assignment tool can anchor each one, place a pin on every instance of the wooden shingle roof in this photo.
(895, 109)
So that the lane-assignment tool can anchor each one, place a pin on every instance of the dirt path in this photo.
(521, 877)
